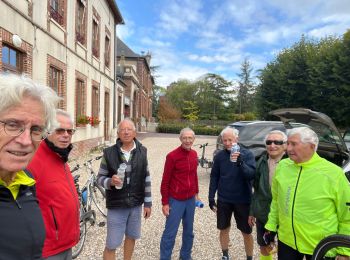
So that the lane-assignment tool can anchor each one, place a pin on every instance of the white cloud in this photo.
(124, 31)
(179, 15)
(155, 43)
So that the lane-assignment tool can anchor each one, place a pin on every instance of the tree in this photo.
(311, 74)
(246, 88)
(167, 111)
(191, 111)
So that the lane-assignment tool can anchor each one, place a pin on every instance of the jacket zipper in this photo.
(189, 172)
(295, 193)
(72, 190)
(55, 221)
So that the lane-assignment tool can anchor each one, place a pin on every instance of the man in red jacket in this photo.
(179, 190)
(58, 199)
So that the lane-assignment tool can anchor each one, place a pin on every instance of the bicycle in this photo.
(328, 243)
(91, 192)
(202, 161)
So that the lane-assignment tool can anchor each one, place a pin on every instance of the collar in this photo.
(21, 179)
(62, 152)
(133, 147)
(314, 159)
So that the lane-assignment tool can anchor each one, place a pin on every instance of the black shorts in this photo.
(260, 231)
(240, 212)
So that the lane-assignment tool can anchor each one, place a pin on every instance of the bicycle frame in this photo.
(202, 161)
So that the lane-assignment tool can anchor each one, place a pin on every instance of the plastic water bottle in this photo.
(121, 175)
(199, 204)
(234, 149)
(84, 196)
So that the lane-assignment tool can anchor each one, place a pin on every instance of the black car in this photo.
(331, 144)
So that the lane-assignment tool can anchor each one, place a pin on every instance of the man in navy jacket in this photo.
(233, 183)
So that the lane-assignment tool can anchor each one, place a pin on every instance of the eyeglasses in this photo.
(61, 131)
(276, 142)
(16, 128)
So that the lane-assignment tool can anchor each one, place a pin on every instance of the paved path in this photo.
(206, 245)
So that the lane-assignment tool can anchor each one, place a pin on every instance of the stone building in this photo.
(69, 46)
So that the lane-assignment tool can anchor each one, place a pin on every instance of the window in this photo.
(55, 82)
(95, 101)
(95, 35)
(80, 98)
(12, 59)
(57, 11)
(80, 29)
(107, 51)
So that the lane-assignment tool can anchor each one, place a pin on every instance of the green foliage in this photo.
(310, 74)
(175, 128)
(246, 88)
(191, 111)
(210, 94)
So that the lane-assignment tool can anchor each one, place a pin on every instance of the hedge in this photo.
(198, 129)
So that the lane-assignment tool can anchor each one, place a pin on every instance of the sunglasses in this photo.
(276, 142)
(61, 131)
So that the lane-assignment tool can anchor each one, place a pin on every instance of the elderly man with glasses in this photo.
(27, 109)
(58, 199)
(276, 145)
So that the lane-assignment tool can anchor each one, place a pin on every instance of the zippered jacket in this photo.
(232, 181)
(310, 201)
(58, 200)
(21, 226)
(180, 180)
(262, 197)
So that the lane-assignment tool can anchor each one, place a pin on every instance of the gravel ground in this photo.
(206, 244)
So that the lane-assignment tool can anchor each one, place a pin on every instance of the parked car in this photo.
(346, 138)
(331, 143)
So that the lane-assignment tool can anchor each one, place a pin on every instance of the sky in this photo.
(189, 38)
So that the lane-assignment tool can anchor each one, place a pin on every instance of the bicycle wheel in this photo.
(99, 197)
(76, 250)
(328, 243)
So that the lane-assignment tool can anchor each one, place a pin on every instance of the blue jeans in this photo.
(179, 210)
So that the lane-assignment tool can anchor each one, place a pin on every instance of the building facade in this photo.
(135, 85)
(69, 46)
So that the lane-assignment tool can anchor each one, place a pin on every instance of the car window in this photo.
(257, 132)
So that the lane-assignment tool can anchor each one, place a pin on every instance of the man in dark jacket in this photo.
(276, 145)
(58, 199)
(231, 178)
(125, 204)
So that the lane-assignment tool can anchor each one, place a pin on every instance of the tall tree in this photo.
(246, 88)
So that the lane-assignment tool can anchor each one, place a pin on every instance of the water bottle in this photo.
(84, 196)
(121, 175)
(199, 204)
(234, 149)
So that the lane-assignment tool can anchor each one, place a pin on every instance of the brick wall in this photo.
(51, 61)
(82, 147)
(26, 49)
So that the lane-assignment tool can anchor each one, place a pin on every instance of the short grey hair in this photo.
(186, 129)
(231, 130)
(306, 135)
(14, 88)
(65, 114)
(129, 121)
(277, 132)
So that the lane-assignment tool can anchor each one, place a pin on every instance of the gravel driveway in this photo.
(206, 244)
